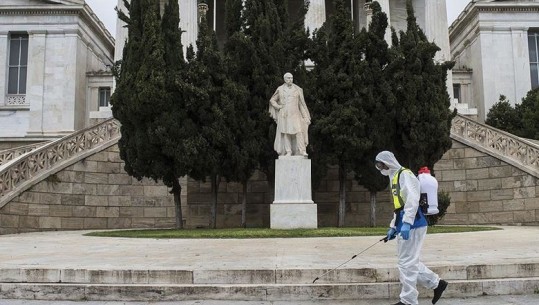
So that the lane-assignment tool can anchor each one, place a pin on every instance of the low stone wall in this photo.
(485, 190)
(260, 196)
(94, 193)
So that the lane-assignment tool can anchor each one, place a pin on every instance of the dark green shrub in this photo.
(504, 116)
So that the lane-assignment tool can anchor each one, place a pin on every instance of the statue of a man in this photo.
(287, 107)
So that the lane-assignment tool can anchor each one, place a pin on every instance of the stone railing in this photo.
(12, 153)
(22, 174)
(516, 151)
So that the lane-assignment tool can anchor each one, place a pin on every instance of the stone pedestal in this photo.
(293, 207)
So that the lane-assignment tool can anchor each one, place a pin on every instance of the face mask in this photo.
(385, 172)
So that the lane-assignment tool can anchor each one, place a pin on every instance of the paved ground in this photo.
(74, 250)
(65, 250)
(496, 300)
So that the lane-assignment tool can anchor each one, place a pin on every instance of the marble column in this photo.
(189, 22)
(384, 4)
(3, 66)
(35, 88)
(316, 15)
(521, 59)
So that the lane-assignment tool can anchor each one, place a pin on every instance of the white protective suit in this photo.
(411, 270)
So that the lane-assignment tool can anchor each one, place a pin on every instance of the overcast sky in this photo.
(104, 9)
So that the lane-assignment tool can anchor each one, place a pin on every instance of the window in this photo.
(456, 92)
(18, 64)
(104, 96)
(533, 46)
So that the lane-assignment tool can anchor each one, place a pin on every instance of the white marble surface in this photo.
(293, 207)
(292, 180)
(63, 48)
(293, 216)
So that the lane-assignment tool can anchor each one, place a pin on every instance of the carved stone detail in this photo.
(48, 156)
(16, 100)
(10, 154)
(510, 148)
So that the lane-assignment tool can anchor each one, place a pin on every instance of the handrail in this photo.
(514, 150)
(21, 174)
(7, 155)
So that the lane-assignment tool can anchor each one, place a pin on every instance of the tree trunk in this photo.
(342, 195)
(177, 192)
(215, 179)
(373, 209)
(244, 206)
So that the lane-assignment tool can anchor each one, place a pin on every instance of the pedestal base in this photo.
(293, 207)
(293, 216)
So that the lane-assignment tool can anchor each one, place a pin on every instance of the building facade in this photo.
(55, 59)
(495, 46)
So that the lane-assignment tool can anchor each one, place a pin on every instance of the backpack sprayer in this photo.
(383, 239)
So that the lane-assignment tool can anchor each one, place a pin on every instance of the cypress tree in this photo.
(215, 110)
(423, 116)
(338, 129)
(138, 98)
(380, 104)
(240, 59)
(156, 106)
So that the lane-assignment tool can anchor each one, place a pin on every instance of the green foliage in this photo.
(380, 101)
(155, 105)
(338, 130)
(138, 98)
(444, 201)
(423, 116)
(504, 116)
(529, 110)
(521, 120)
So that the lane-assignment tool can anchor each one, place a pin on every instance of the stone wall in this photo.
(485, 190)
(260, 196)
(94, 193)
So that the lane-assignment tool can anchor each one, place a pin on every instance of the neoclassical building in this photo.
(55, 59)
(496, 48)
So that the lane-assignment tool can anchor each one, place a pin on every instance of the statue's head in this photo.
(288, 78)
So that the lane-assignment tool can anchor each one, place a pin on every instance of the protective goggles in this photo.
(380, 165)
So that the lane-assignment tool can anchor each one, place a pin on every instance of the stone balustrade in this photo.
(13, 153)
(516, 151)
(20, 174)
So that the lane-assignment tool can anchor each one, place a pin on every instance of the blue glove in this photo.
(391, 234)
(405, 231)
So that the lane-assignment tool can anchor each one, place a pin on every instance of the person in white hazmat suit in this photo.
(409, 226)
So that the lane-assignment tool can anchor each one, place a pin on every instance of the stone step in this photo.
(257, 276)
(256, 292)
